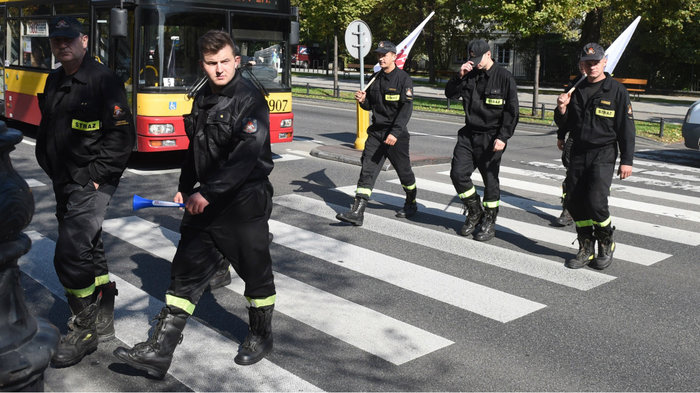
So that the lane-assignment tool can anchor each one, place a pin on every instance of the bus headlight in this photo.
(286, 123)
(159, 129)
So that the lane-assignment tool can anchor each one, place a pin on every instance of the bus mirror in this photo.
(119, 22)
(294, 33)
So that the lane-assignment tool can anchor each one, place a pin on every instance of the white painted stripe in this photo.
(523, 263)
(638, 227)
(302, 153)
(152, 172)
(491, 303)
(651, 208)
(673, 175)
(286, 157)
(34, 183)
(620, 185)
(135, 308)
(538, 232)
(28, 142)
(658, 164)
(380, 335)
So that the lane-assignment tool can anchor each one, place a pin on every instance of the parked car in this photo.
(691, 126)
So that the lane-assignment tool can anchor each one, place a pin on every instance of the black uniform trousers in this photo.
(588, 182)
(475, 150)
(80, 254)
(238, 230)
(376, 152)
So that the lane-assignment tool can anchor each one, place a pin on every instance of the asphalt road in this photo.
(409, 305)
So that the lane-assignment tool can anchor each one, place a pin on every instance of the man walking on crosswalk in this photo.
(490, 100)
(391, 102)
(598, 115)
(227, 215)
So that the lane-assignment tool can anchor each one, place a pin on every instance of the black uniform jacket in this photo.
(229, 141)
(493, 109)
(86, 130)
(604, 119)
(390, 98)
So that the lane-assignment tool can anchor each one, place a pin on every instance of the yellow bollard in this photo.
(362, 124)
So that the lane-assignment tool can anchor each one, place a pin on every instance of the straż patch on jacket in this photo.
(250, 126)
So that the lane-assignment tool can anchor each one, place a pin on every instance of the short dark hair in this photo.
(213, 41)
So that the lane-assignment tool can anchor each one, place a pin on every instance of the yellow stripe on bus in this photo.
(162, 105)
(280, 102)
(25, 82)
(178, 105)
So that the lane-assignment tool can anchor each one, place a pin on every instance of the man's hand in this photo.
(179, 197)
(390, 140)
(466, 68)
(624, 171)
(498, 145)
(360, 96)
(560, 144)
(563, 101)
(195, 203)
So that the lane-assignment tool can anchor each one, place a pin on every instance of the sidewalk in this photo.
(670, 108)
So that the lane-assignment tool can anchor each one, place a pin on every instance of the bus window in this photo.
(36, 49)
(114, 52)
(262, 49)
(13, 43)
(169, 55)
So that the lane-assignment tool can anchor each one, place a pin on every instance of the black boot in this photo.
(606, 247)
(222, 277)
(410, 207)
(105, 314)
(81, 339)
(586, 249)
(258, 342)
(155, 355)
(474, 212)
(356, 215)
(565, 218)
(488, 225)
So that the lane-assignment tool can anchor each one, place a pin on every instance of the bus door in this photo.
(3, 27)
(114, 52)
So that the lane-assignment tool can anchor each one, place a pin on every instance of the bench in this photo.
(633, 85)
(369, 68)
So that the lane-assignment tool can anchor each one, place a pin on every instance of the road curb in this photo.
(349, 155)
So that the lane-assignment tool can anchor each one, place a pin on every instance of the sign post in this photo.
(358, 41)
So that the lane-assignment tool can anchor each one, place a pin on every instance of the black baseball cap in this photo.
(592, 51)
(385, 47)
(476, 50)
(65, 26)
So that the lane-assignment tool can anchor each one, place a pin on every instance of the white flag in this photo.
(405, 46)
(614, 52)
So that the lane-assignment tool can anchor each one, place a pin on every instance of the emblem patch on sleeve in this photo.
(250, 126)
(118, 112)
(409, 92)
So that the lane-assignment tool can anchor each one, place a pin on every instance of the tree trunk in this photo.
(536, 85)
(590, 30)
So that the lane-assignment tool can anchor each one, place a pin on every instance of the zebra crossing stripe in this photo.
(34, 183)
(612, 201)
(616, 187)
(371, 331)
(286, 157)
(530, 265)
(482, 300)
(134, 309)
(536, 232)
(637, 227)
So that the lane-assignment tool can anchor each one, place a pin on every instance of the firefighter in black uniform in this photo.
(598, 115)
(490, 99)
(83, 143)
(390, 99)
(227, 215)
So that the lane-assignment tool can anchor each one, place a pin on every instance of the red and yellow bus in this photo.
(157, 59)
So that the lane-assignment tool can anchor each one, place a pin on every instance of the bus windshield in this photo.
(169, 57)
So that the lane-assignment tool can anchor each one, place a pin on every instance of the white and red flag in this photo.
(405, 46)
